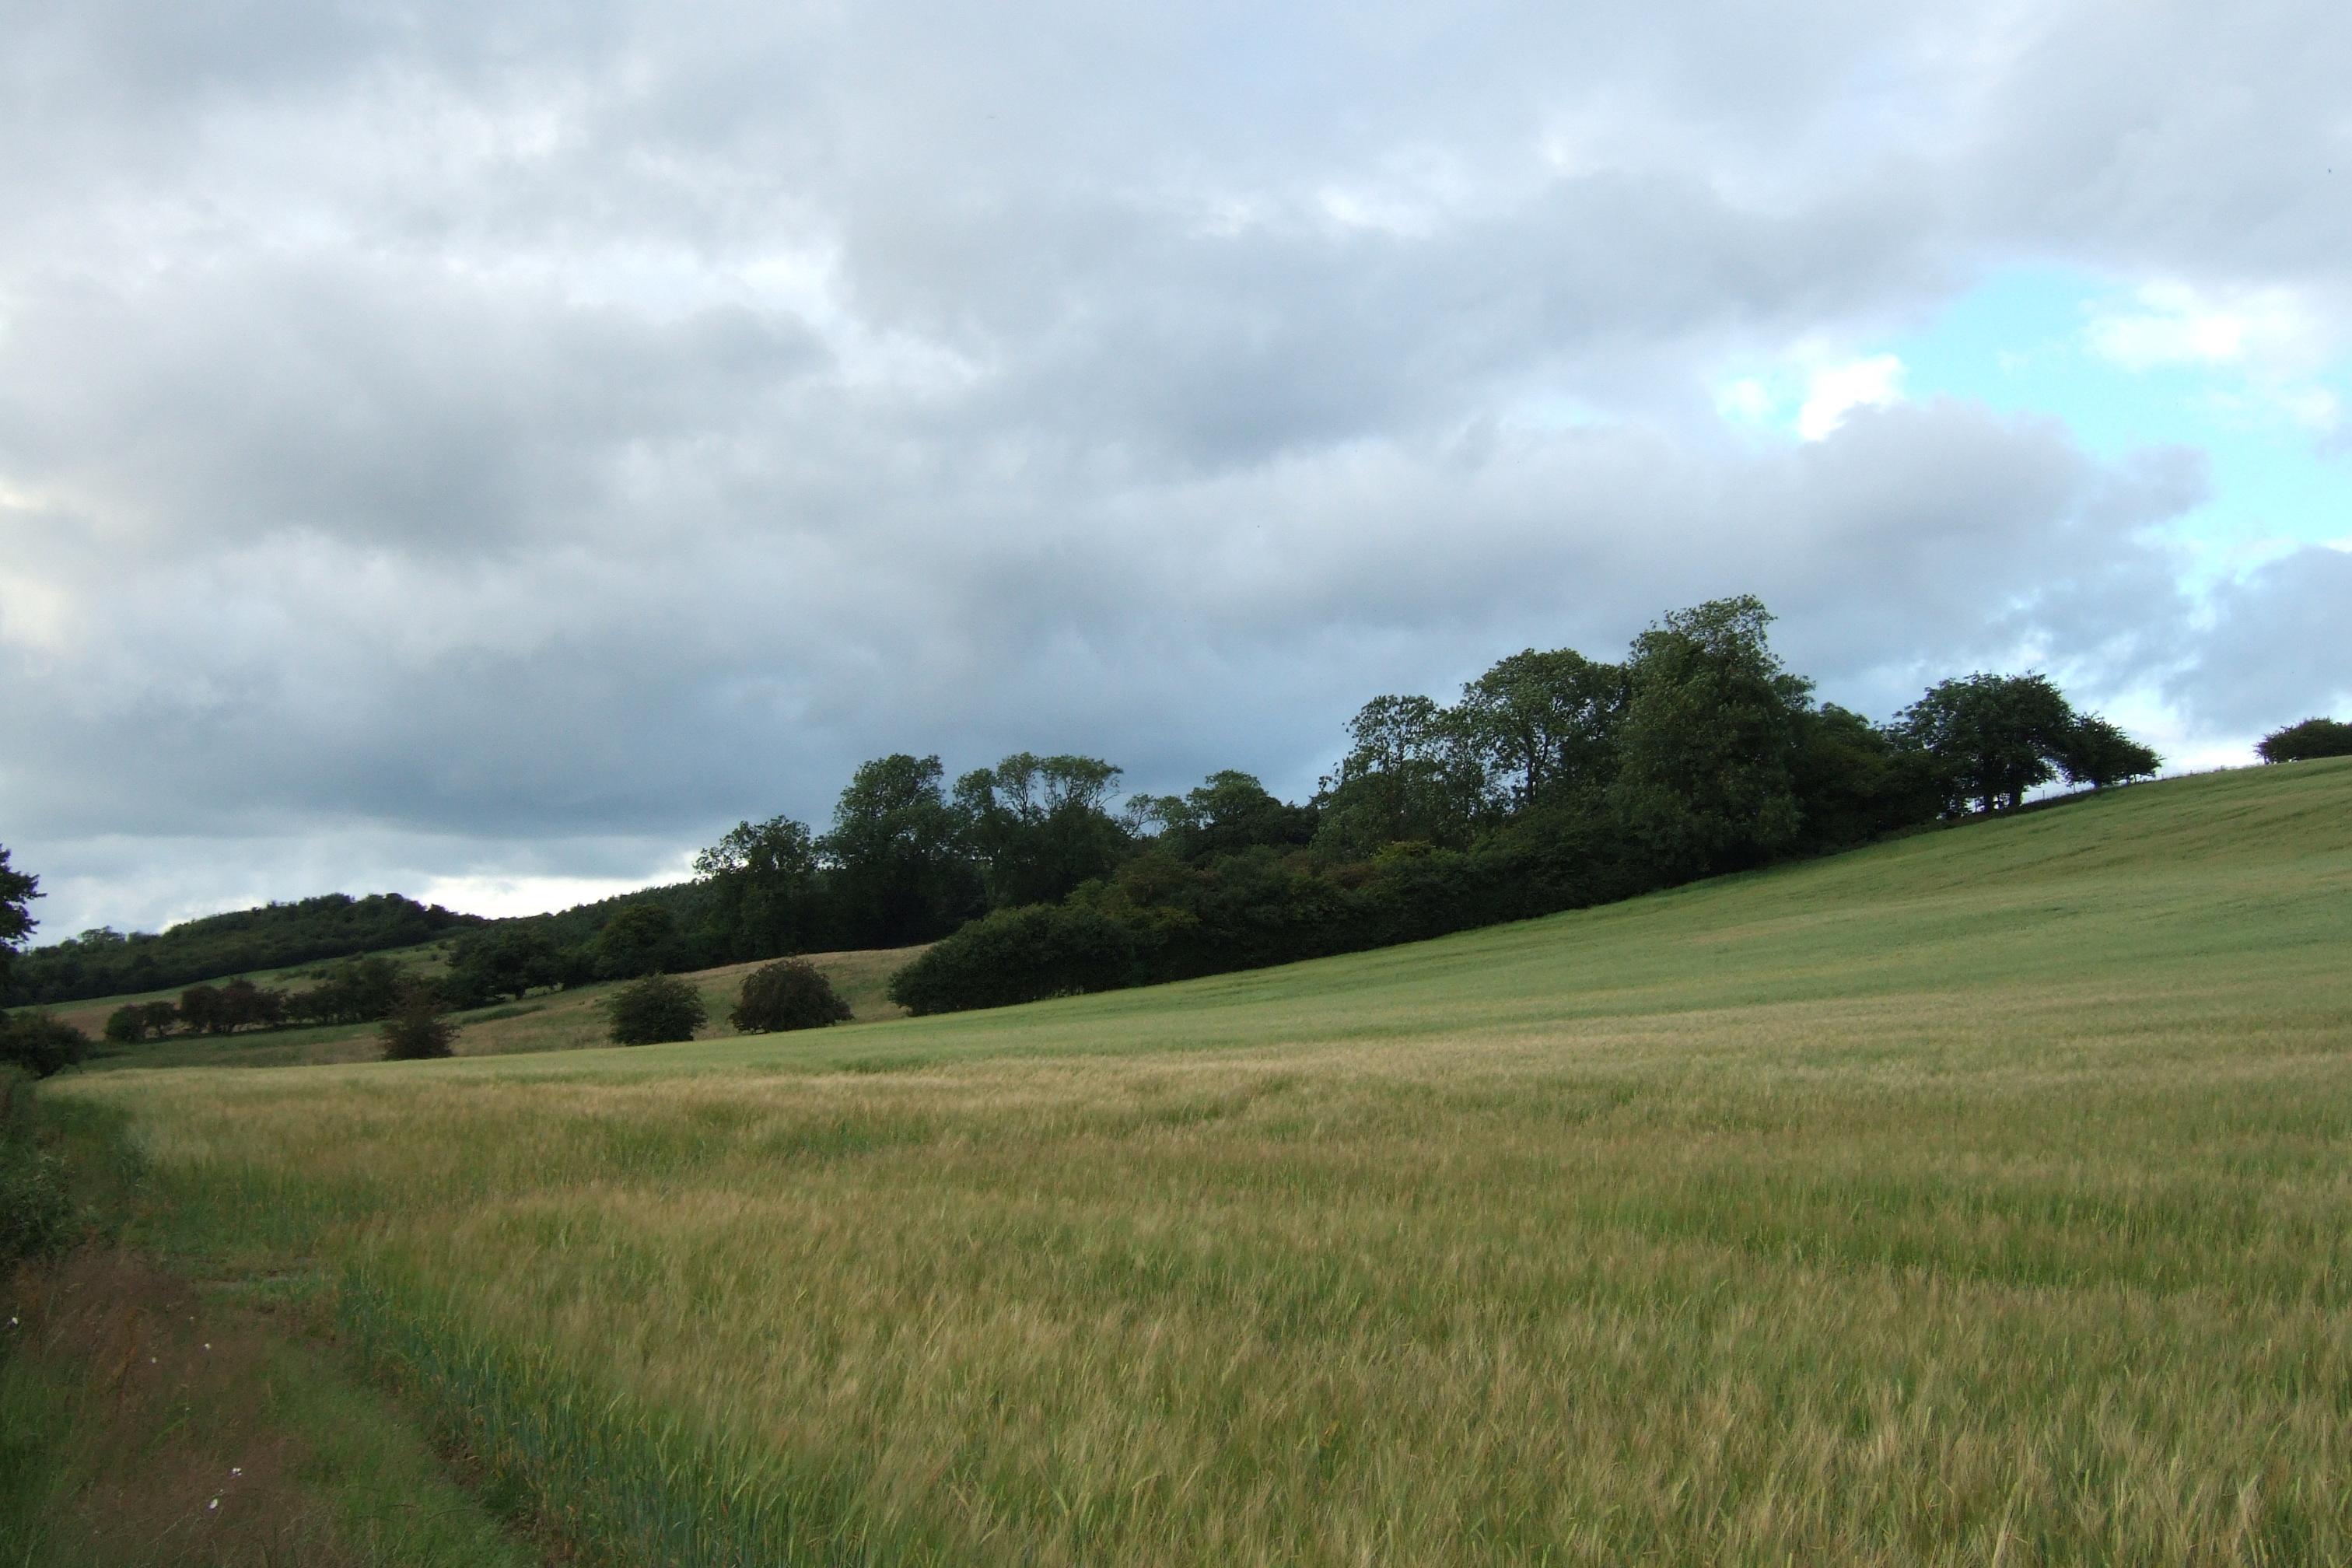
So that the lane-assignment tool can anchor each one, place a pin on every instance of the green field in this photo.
(1980, 1197)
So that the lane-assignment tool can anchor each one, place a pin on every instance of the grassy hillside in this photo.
(567, 1020)
(89, 1015)
(1974, 1198)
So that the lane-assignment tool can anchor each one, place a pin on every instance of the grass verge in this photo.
(147, 1421)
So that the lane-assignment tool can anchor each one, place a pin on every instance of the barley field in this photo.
(1982, 1198)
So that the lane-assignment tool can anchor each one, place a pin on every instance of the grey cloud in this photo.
(528, 436)
(2274, 652)
(356, 400)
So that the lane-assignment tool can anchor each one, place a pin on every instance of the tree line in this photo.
(362, 991)
(1553, 781)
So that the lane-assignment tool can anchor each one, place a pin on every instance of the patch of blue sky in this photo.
(2126, 368)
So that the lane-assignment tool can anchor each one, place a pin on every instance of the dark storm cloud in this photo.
(520, 439)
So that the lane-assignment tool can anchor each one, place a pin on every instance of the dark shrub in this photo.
(658, 1008)
(127, 1026)
(1019, 955)
(788, 994)
(40, 1044)
(416, 1030)
(2301, 743)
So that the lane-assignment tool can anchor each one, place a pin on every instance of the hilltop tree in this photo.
(1994, 737)
(1708, 740)
(2099, 754)
(1856, 780)
(2295, 743)
(1227, 812)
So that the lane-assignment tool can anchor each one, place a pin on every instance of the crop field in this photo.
(1984, 1197)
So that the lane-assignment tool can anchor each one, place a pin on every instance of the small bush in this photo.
(658, 1008)
(2301, 743)
(127, 1026)
(417, 1031)
(788, 994)
(40, 1044)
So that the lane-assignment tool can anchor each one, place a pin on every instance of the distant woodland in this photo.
(106, 963)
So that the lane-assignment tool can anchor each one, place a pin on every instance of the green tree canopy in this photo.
(657, 1008)
(18, 891)
(1229, 812)
(1409, 775)
(790, 993)
(39, 1043)
(1545, 724)
(504, 961)
(2099, 754)
(642, 939)
(2295, 744)
(1708, 737)
(764, 882)
(899, 877)
(1994, 737)
(1037, 826)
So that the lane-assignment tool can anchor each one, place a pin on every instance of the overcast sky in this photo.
(483, 450)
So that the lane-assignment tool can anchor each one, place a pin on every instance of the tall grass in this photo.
(1977, 1198)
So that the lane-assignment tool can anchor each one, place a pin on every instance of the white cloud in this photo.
(499, 896)
(2271, 343)
(1747, 401)
(1834, 391)
(2270, 329)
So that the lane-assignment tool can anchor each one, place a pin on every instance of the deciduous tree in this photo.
(1708, 739)
(1545, 724)
(898, 876)
(2295, 743)
(1037, 826)
(2099, 754)
(1994, 737)
(658, 1008)
(763, 884)
(18, 891)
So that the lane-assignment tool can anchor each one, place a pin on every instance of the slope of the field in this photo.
(1982, 1198)
(89, 1015)
(545, 1021)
